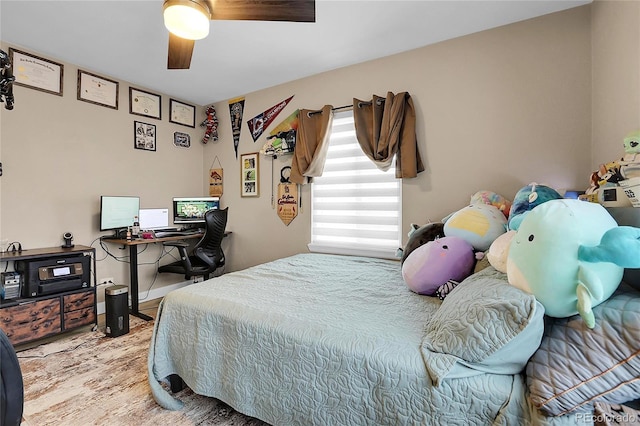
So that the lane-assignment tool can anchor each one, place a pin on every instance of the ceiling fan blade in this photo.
(263, 10)
(180, 51)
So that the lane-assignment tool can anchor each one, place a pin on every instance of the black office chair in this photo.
(207, 254)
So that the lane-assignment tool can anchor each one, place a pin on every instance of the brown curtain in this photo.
(312, 142)
(386, 127)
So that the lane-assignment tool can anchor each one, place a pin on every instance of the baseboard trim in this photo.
(152, 295)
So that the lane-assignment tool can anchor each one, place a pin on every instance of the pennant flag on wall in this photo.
(260, 122)
(236, 106)
(289, 123)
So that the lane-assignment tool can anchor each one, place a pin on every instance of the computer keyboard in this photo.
(192, 231)
(184, 233)
(162, 234)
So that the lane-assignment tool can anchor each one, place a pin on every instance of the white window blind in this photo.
(356, 208)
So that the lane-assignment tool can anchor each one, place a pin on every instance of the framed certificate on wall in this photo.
(97, 90)
(36, 73)
(181, 113)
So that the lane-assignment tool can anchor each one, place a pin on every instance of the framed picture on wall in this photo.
(36, 73)
(181, 140)
(97, 90)
(249, 175)
(181, 113)
(145, 103)
(144, 136)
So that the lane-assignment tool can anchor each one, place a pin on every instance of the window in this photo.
(356, 208)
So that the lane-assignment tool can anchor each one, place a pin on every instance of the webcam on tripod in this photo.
(68, 237)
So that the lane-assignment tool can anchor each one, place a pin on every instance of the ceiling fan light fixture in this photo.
(189, 19)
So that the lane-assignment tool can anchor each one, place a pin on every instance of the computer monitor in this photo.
(154, 219)
(118, 212)
(192, 209)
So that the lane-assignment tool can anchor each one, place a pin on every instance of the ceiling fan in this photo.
(188, 20)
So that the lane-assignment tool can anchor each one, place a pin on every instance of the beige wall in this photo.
(496, 110)
(615, 35)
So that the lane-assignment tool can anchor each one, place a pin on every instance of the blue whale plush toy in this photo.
(571, 255)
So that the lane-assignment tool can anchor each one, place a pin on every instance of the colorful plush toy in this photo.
(433, 264)
(499, 251)
(571, 255)
(631, 145)
(630, 163)
(477, 224)
(420, 235)
(211, 124)
(492, 199)
(526, 199)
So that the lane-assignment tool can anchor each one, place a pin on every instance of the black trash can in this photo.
(117, 310)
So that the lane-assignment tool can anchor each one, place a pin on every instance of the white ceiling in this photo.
(127, 40)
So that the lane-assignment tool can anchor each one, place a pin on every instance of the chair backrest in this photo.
(211, 243)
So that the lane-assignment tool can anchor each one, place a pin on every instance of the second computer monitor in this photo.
(192, 209)
(154, 219)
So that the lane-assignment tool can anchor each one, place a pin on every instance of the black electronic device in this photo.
(11, 283)
(54, 275)
(68, 237)
(116, 310)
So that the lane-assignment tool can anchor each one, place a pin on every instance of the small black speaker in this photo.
(116, 310)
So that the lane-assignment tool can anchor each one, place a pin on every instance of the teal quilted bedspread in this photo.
(318, 339)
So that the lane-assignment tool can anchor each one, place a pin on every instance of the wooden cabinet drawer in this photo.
(31, 321)
(72, 302)
(79, 317)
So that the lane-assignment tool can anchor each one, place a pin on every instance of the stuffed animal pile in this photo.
(433, 267)
(570, 254)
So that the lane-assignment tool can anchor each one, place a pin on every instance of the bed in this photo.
(317, 339)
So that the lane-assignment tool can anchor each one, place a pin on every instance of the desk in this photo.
(133, 266)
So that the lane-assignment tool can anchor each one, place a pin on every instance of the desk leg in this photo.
(133, 272)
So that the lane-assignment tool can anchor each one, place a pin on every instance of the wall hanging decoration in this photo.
(282, 139)
(260, 122)
(249, 175)
(6, 83)
(287, 197)
(236, 107)
(181, 113)
(36, 73)
(97, 90)
(144, 136)
(181, 140)
(145, 103)
(215, 179)
(211, 123)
